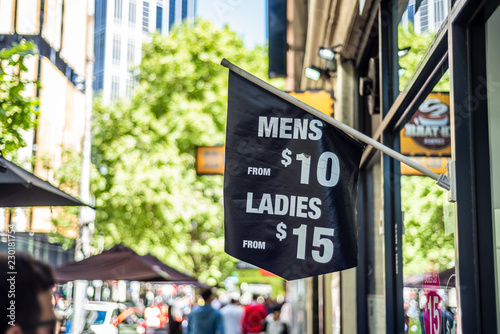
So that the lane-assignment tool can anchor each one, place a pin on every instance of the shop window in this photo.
(428, 236)
(419, 23)
(493, 84)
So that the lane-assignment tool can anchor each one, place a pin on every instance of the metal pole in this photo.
(441, 179)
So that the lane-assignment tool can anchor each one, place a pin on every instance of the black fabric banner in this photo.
(290, 186)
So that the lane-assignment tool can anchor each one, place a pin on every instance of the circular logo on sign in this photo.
(430, 125)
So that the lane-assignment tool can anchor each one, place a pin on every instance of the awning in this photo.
(19, 188)
(121, 263)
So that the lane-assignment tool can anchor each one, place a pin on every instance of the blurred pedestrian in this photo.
(253, 316)
(232, 314)
(174, 321)
(273, 323)
(205, 319)
(269, 304)
(216, 303)
(26, 295)
(286, 312)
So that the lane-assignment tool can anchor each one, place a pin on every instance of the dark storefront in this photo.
(380, 86)
(465, 48)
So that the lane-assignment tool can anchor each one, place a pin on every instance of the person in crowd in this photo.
(205, 319)
(253, 316)
(26, 295)
(286, 312)
(232, 314)
(273, 323)
(216, 303)
(269, 304)
(174, 321)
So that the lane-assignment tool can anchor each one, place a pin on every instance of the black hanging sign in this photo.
(290, 186)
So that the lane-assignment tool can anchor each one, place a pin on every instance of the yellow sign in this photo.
(426, 138)
(210, 160)
(427, 133)
(435, 164)
(321, 100)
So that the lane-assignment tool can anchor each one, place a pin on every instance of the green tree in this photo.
(149, 196)
(418, 43)
(17, 109)
(424, 237)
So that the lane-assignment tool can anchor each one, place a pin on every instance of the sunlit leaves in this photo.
(418, 43)
(424, 237)
(17, 108)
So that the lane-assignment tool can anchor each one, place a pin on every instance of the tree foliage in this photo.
(424, 237)
(149, 196)
(418, 43)
(17, 108)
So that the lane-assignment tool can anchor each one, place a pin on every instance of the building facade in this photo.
(63, 66)
(424, 15)
(121, 27)
(379, 295)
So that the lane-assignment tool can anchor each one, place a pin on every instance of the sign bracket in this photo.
(442, 180)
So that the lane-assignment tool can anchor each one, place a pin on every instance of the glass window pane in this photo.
(375, 281)
(28, 17)
(493, 83)
(428, 237)
(118, 11)
(145, 16)
(132, 7)
(6, 16)
(420, 20)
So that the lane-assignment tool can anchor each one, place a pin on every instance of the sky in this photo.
(246, 17)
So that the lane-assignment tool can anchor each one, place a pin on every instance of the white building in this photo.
(121, 27)
(427, 15)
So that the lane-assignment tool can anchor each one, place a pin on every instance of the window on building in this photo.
(411, 14)
(115, 87)
(439, 12)
(132, 8)
(131, 52)
(99, 78)
(116, 49)
(184, 10)
(100, 15)
(159, 18)
(171, 14)
(99, 51)
(118, 11)
(424, 16)
(145, 16)
(130, 86)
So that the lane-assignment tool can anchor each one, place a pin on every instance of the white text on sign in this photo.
(320, 240)
(293, 206)
(327, 161)
(289, 128)
(259, 171)
(254, 244)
